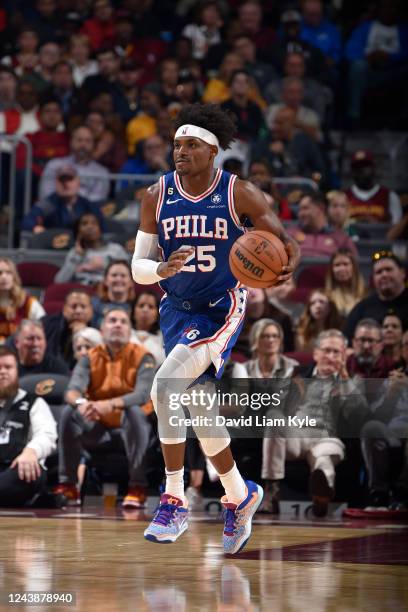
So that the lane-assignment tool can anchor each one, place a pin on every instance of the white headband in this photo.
(197, 132)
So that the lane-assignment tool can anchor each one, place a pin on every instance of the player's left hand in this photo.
(293, 251)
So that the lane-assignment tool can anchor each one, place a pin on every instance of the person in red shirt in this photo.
(49, 141)
(101, 27)
(370, 201)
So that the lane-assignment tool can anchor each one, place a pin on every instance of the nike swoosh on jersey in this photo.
(173, 201)
(211, 304)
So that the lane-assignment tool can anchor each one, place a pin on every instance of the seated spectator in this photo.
(8, 88)
(400, 372)
(217, 89)
(94, 181)
(306, 119)
(29, 435)
(129, 81)
(368, 359)
(144, 124)
(316, 95)
(112, 384)
(85, 339)
(288, 151)
(259, 307)
(115, 289)
(166, 84)
(31, 346)
(49, 55)
(15, 303)
(330, 397)
(109, 150)
(248, 115)
(266, 340)
(61, 208)
(100, 28)
(392, 337)
(390, 293)
(377, 51)
(85, 263)
(59, 327)
(319, 314)
(370, 201)
(338, 212)
(189, 90)
(80, 58)
(63, 88)
(146, 331)
(206, 31)
(313, 233)
(320, 32)
(23, 118)
(260, 174)
(154, 158)
(344, 283)
(49, 141)
(266, 343)
(26, 58)
(262, 72)
(250, 22)
(384, 440)
(290, 41)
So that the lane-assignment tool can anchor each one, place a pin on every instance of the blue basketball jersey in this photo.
(208, 223)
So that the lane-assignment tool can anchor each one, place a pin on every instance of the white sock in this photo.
(175, 483)
(234, 485)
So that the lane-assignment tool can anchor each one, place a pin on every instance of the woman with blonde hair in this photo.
(266, 340)
(344, 284)
(319, 314)
(15, 303)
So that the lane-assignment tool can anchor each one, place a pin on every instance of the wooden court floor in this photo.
(100, 557)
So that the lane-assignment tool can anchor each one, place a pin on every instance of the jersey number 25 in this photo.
(205, 261)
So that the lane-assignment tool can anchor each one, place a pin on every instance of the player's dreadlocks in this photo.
(212, 118)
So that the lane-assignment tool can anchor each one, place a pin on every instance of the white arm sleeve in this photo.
(395, 207)
(144, 261)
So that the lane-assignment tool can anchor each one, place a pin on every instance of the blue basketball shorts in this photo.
(216, 322)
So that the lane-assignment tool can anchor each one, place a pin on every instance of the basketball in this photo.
(257, 258)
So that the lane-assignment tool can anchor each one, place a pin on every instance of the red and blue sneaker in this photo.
(238, 518)
(169, 522)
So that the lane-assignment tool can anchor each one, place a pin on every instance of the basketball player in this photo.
(189, 222)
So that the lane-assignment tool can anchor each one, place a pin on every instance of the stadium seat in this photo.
(57, 292)
(312, 277)
(59, 239)
(37, 273)
(49, 386)
(303, 357)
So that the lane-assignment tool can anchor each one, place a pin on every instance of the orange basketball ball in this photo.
(257, 258)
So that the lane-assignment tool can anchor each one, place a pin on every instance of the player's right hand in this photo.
(175, 262)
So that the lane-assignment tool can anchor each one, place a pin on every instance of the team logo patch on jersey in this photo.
(216, 198)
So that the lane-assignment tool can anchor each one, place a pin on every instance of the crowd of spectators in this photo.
(94, 86)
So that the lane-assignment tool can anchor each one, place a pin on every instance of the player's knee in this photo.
(213, 445)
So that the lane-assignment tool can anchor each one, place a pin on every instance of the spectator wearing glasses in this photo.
(390, 293)
(368, 360)
(62, 207)
(339, 409)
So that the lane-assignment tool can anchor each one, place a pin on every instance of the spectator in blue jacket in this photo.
(61, 208)
(320, 32)
(377, 51)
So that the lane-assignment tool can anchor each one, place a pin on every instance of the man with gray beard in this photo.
(367, 360)
(28, 434)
